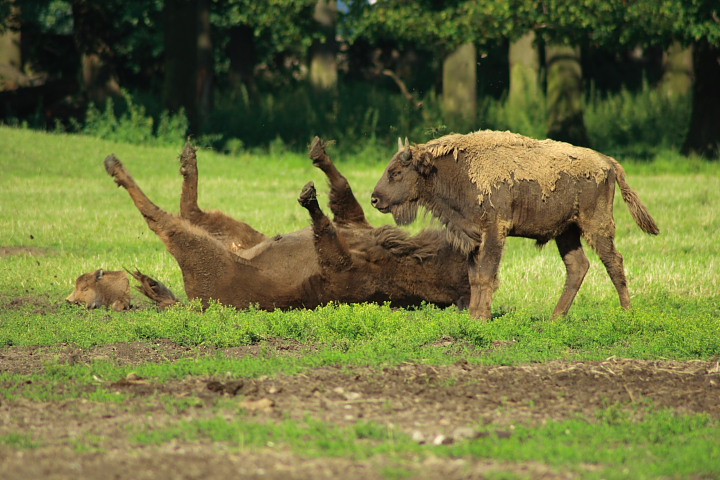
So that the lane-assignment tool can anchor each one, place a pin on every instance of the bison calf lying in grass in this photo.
(343, 260)
(486, 186)
(111, 289)
(102, 289)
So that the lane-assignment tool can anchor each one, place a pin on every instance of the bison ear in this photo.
(406, 156)
(424, 164)
(99, 274)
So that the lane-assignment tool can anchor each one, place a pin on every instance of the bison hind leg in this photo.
(576, 265)
(604, 245)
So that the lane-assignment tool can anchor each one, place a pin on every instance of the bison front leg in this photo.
(483, 266)
(332, 252)
(576, 264)
(343, 203)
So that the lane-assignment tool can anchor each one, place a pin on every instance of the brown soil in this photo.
(434, 404)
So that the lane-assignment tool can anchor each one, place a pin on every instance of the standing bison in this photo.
(486, 186)
(343, 260)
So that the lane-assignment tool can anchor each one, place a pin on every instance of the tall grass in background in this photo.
(626, 124)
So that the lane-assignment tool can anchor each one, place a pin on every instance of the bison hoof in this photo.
(112, 165)
(308, 196)
(188, 159)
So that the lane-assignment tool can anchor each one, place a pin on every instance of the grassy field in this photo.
(61, 215)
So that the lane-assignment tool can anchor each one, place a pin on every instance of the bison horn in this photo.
(99, 274)
(407, 144)
(400, 145)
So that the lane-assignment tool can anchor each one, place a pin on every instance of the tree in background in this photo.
(524, 60)
(11, 67)
(176, 50)
(565, 95)
(696, 23)
(95, 38)
(452, 30)
(677, 76)
(205, 84)
(181, 58)
(460, 87)
(323, 52)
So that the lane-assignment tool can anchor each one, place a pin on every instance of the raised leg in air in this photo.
(236, 235)
(343, 203)
(332, 252)
(189, 208)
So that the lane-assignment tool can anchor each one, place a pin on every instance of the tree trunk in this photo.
(703, 138)
(181, 55)
(565, 95)
(677, 70)
(242, 55)
(11, 75)
(204, 82)
(524, 59)
(460, 88)
(92, 29)
(323, 55)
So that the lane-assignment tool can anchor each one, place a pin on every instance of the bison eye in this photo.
(395, 175)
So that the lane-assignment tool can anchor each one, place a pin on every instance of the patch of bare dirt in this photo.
(433, 404)
(23, 250)
(26, 360)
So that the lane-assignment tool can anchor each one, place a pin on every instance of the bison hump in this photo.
(494, 157)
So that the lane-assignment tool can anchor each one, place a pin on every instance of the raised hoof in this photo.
(112, 165)
(317, 152)
(188, 159)
(308, 195)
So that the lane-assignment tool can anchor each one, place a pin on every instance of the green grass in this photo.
(612, 446)
(57, 202)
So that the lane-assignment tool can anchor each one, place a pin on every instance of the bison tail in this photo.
(638, 210)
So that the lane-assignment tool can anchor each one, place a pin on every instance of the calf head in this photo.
(102, 289)
(398, 190)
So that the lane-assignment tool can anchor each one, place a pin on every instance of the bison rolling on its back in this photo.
(486, 186)
(345, 259)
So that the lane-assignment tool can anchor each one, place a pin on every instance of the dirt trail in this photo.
(433, 404)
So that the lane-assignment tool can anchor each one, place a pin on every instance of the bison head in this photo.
(102, 289)
(398, 190)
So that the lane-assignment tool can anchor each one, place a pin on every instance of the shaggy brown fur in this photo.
(345, 260)
(102, 289)
(486, 186)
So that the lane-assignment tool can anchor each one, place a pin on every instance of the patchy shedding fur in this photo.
(505, 157)
(486, 186)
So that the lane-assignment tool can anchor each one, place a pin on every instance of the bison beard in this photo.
(486, 186)
(404, 214)
(341, 260)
